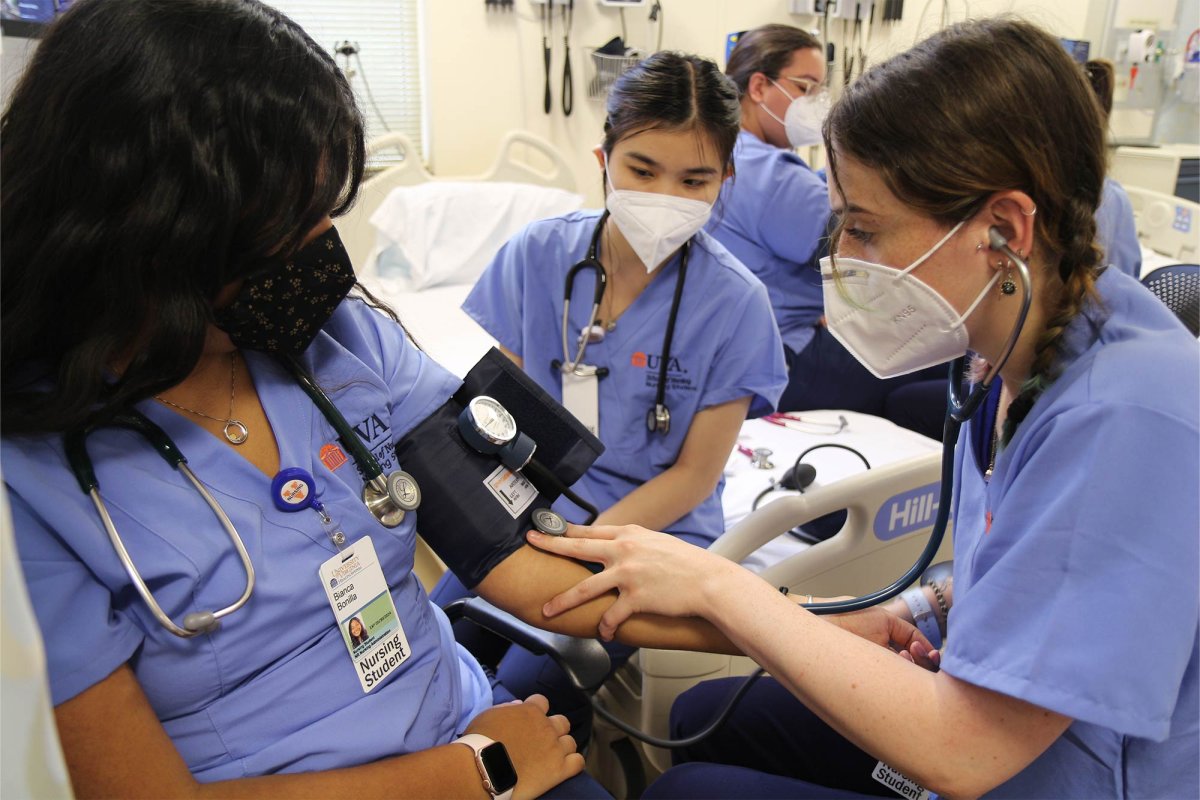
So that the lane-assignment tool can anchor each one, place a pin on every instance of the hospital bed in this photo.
(1168, 228)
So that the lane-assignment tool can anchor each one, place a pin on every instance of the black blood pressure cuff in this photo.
(465, 514)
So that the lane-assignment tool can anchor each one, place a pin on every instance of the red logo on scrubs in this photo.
(988, 528)
(332, 456)
(639, 359)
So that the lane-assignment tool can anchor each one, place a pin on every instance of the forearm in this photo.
(523, 582)
(662, 500)
(143, 762)
(447, 771)
(949, 736)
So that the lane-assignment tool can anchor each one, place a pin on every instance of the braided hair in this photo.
(982, 107)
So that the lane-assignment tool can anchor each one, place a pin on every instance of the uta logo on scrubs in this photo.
(677, 374)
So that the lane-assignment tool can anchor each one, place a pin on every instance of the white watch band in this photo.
(477, 741)
(923, 616)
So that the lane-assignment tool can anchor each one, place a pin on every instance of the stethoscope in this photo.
(658, 418)
(958, 411)
(388, 497)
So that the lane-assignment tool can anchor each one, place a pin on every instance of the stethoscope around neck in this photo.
(658, 418)
(382, 494)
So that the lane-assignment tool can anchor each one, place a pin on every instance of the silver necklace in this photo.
(235, 430)
(987, 475)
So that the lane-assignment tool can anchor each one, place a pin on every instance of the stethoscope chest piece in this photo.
(658, 419)
(383, 507)
(549, 522)
(402, 488)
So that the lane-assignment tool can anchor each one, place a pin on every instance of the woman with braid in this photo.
(1070, 664)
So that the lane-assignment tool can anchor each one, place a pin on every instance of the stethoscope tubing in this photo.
(195, 623)
(372, 472)
(590, 261)
(957, 412)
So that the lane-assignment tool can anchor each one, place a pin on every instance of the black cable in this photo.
(371, 97)
(539, 474)
(568, 83)
(670, 744)
(547, 28)
(660, 394)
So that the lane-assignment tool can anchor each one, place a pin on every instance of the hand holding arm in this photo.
(949, 735)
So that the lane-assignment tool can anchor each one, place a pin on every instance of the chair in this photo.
(1178, 286)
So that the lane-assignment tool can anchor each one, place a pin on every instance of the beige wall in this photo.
(485, 68)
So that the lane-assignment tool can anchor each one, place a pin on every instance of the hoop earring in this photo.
(1029, 213)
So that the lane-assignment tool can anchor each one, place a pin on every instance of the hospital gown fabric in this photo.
(772, 216)
(726, 347)
(274, 690)
(1116, 230)
(1075, 573)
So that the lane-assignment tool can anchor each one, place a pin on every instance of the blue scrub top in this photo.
(726, 346)
(772, 215)
(1075, 567)
(1116, 231)
(274, 690)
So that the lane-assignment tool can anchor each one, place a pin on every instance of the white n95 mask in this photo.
(655, 225)
(890, 320)
(804, 117)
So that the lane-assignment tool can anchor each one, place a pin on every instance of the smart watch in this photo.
(495, 767)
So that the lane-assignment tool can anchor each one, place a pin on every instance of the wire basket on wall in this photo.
(606, 69)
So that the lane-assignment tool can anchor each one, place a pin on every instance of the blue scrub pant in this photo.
(771, 746)
(825, 375)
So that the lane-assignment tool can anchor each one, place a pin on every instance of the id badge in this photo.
(581, 396)
(365, 613)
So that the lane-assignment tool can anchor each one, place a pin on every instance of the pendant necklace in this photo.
(235, 431)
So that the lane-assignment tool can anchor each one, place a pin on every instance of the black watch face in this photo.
(499, 767)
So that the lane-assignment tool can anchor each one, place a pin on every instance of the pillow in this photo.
(447, 232)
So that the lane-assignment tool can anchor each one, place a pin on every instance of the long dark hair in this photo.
(768, 50)
(674, 91)
(154, 152)
(982, 107)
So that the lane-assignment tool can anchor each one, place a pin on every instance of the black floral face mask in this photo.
(281, 309)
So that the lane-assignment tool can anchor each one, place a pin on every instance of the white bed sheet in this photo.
(435, 320)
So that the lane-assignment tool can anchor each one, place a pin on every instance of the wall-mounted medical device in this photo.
(834, 9)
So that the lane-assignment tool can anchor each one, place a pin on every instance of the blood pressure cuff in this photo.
(468, 515)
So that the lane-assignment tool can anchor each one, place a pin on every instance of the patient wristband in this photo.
(923, 616)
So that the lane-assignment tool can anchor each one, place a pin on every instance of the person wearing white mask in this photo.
(775, 214)
(1071, 646)
(674, 304)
